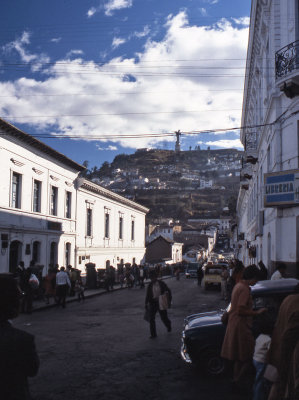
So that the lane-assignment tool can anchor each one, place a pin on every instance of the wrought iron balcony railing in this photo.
(287, 60)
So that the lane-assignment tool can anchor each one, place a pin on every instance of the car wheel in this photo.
(214, 364)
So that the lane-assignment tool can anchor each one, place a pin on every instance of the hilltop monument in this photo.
(177, 144)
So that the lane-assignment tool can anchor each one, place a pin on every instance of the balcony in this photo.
(287, 69)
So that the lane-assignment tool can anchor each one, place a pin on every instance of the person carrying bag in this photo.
(158, 299)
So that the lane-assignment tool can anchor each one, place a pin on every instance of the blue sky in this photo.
(96, 78)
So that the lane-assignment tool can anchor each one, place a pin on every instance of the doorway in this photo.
(15, 254)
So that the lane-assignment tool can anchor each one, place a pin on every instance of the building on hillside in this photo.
(164, 230)
(163, 250)
(268, 202)
(206, 183)
(44, 213)
(223, 224)
(192, 238)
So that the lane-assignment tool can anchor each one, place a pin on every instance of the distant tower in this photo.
(177, 144)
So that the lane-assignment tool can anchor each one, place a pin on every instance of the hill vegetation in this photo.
(188, 184)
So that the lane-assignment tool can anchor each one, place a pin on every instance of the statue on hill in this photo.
(177, 144)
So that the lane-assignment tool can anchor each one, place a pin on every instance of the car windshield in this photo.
(213, 271)
(270, 302)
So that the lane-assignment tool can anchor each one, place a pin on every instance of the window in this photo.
(53, 254)
(37, 196)
(68, 205)
(121, 221)
(36, 252)
(67, 254)
(53, 200)
(89, 222)
(107, 221)
(16, 190)
(133, 229)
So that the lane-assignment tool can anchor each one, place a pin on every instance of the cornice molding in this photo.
(94, 188)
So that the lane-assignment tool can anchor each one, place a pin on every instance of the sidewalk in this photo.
(39, 305)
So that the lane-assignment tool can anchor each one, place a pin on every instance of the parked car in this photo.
(203, 333)
(212, 274)
(191, 270)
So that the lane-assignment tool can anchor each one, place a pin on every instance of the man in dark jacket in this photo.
(156, 292)
(18, 357)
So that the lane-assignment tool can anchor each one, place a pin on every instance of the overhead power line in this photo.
(144, 135)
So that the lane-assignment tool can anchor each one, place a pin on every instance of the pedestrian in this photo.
(224, 278)
(283, 352)
(280, 272)
(111, 277)
(199, 275)
(20, 275)
(49, 285)
(156, 294)
(262, 344)
(121, 276)
(235, 276)
(19, 359)
(62, 285)
(141, 276)
(263, 271)
(31, 283)
(238, 343)
(73, 278)
(79, 289)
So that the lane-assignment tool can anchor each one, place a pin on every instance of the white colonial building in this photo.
(50, 215)
(268, 211)
(110, 228)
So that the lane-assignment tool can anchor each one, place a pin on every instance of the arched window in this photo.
(15, 253)
(36, 251)
(53, 253)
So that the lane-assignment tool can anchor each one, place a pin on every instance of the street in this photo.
(100, 349)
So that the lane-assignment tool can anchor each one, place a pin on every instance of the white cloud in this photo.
(92, 11)
(113, 5)
(224, 144)
(242, 21)
(151, 93)
(141, 34)
(109, 148)
(19, 46)
(211, 1)
(56, 40)
(117, 42)
(72, 53)
(203, 12)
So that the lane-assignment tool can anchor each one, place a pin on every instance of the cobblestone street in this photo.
(101, 349)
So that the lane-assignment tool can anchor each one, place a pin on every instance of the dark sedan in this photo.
(203, 333)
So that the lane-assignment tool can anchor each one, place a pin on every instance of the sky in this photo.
(96, 78)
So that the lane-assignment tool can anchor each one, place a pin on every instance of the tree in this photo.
(105, 169)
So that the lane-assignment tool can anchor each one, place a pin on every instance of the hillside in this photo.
(188, 184)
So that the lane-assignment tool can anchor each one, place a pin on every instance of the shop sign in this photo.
(281, 188)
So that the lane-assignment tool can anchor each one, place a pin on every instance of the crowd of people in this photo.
(57, 284)
(60, 282)
(275, 352)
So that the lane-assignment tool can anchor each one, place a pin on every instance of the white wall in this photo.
(273, 26)
(23, 224)
(99, 248)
